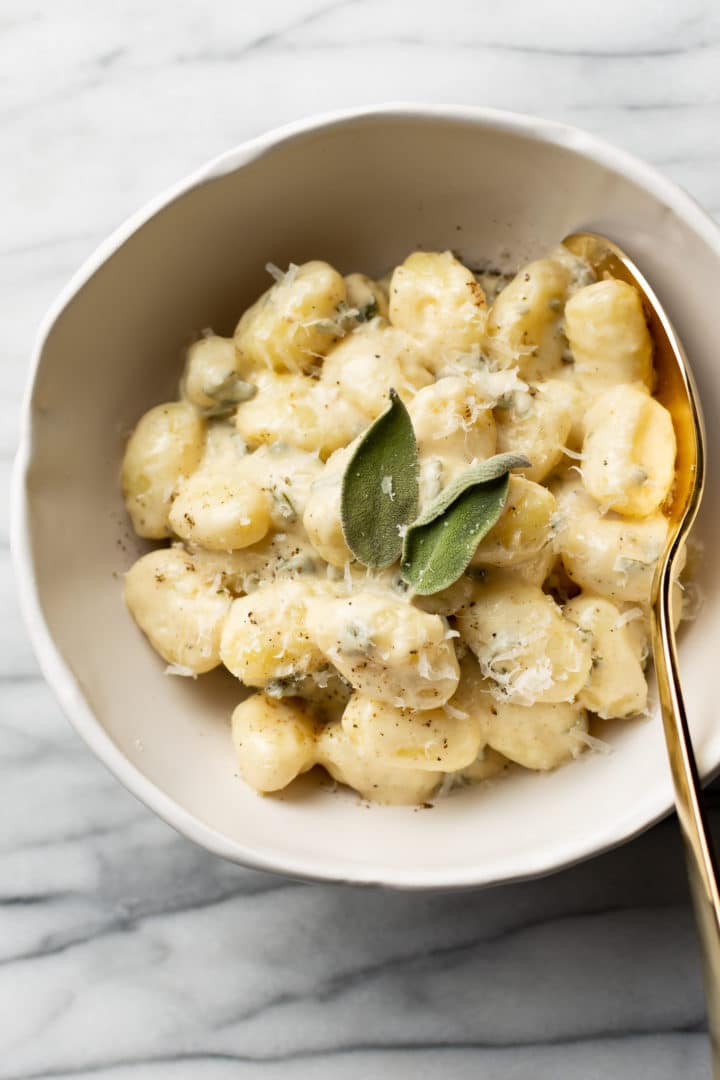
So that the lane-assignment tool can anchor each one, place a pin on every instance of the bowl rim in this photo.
(642, 814)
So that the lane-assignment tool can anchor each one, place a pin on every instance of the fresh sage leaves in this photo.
(441, 543)
(379, 502)
(380, 487)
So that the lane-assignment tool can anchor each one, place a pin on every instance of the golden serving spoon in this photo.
(676, 390)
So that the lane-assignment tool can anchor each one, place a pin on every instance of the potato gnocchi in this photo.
(400, 696)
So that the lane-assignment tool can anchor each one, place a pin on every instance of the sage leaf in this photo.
(380, 487)
(440, 544)
(480, 473)
(436, 554)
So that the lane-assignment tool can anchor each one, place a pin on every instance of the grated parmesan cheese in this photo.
(180, 669)
(456, 714)
(572, 454)
(280, 276)
(386, 486)
(629, 615)
(494, 386)
(591, 741)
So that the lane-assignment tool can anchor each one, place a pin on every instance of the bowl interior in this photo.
(360, 193)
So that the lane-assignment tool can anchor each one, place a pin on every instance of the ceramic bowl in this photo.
(361, 190)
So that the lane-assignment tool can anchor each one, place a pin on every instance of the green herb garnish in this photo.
(440, 544)
(379, 504)
(380, 487)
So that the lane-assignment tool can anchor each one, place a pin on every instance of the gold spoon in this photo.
(676, 390)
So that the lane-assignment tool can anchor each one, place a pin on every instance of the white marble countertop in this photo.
(125, 952)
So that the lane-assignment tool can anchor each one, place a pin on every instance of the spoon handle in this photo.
(699, 854)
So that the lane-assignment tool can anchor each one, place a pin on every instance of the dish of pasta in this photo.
(416, 518)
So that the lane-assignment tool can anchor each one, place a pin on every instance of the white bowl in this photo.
(359, 189)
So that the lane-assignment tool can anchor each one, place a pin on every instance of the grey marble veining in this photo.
(125, 952)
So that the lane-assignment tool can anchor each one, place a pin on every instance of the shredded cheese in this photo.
(180, 669)
(386, 486)
(591, 741)
(280, 276)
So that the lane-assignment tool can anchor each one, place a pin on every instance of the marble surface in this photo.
(125, 952)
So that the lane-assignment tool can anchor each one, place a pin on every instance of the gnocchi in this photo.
(608, 335)
(629, 452)
(274, 741)
(386, 648)
(179, 608)
(454, 426)
(524, 530)
(617, 685)
(294, 323)
(540, 736)
(371, 361)
(432, 739)
(523, 643)
(537, 425)
(608, 554)
(372, 779)
(212, 382)
(219, 512)
(165, 448)
(265, 637)
(404, 695)
(298, 410)
(525, 321)
(437, 300)
(322, 519)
